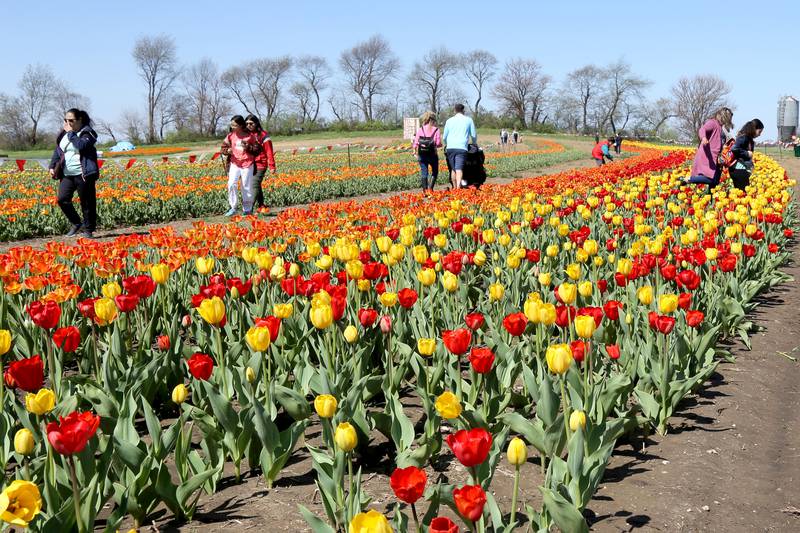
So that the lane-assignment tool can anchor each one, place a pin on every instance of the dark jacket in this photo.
(84, 141)
(741, 147)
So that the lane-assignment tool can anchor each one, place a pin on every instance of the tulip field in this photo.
(534, 324)
(166, 190)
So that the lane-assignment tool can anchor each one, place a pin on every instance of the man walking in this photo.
(458, 130)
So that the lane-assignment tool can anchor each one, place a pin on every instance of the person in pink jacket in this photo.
(706, 168)
(427, 141)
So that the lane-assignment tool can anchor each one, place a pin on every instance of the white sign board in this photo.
(410, 127)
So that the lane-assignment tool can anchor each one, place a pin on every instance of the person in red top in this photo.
(265, 159)
(601, 151)
(241, 147)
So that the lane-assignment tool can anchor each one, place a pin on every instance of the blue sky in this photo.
(752, 45)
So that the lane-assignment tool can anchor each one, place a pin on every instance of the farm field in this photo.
(468, 360)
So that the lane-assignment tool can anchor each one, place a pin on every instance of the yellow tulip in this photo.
(179, 393)
(426, 347)
(370, 522)
(40, 403)
(313, 249)
(545, 279)
(24, 442)
(111, 289)
(480, 258)
(321, 316)
(585, 289)
(448, 406)
(325, 406)
(204, 265)
(711, 254)
(496, 292)
(324, 262)
(258, 338)
(624, 265)
(277, 272)
(212, 310)
(249, 254)
(250, 374)
(105, 310)
(449, 281)
(567, 292)
(20, 502)
(397, 252)
(264, 260)
(426, 276)
(517, 452)
(559, 358)
(667, 303)
(5, 341)
(283, 310)
(159, 273)
(573, 271)
(577, 419)
(531, 309)
(294, 270)
(547, 314)
(388, 299)
(590, 246)
(440, 240)
(350, 334)
(551, 250)
(345, 437)
(363, 285)
(383, 243)
(584, 326)
(488, 236)
(645, 295)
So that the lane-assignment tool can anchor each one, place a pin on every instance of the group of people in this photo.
(248, 153)
(712, 155)
(459, 132)
(504, 137)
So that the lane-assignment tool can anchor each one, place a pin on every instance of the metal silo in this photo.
(788, 109)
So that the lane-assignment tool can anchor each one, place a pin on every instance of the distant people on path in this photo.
(503, 137)
(742, 150)
(514, 136)
(74, 165)
(618, 143)
(601, 151)
(596, 138)
(712, 134)
(241, 148)
(458, 130)
(427, 140)
(264, 160)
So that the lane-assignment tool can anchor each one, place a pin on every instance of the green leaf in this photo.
(564, 514)
(188, 487)
(222, 409)
(293, 402)
(316, 523)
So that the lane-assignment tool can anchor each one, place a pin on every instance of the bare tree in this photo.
(696, 98)
(105, 127)
(37, 88)
(206, 96)
(157, 64)
(258, 84)
(521, 89)
(653, 115)
(622, 89)
(302, 95)
(237, 80)
(315, 72)
(430, 75)
(13, 123)
(65, 98)
(479, 67)
(368, 68)
(583, 85)
(132, 124)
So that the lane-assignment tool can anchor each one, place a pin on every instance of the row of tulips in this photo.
(542, 324)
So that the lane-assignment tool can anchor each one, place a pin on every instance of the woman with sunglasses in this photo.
(240, 147)
(74, 165)
(265, 159)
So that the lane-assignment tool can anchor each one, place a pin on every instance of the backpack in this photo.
(426, 145)
(726, 159)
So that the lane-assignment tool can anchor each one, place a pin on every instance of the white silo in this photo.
(788, 110)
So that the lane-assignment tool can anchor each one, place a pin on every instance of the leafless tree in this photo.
(430, 75)
(479, 67)
(315, 72)
(302, 95)
(37, 88)
(237, 80)
(654, 114)
(206, 96)
(13, 123)
(258, 84)
(132, 124)
(158, 68)
(583, 85)
(622, 88)
(696, 98)
(104, 127)
(521, 89)
(368, 68)
(65, 98)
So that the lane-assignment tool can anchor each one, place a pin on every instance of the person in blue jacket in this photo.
(74, 165)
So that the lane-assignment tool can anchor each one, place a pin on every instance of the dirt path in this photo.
(732, 459)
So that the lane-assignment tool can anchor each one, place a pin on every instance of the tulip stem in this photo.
(2, 386)
(98, 374)
(514, 497)
(221, 356)
(416, 518)
(51, 367)
(565, 407)
(76, 494)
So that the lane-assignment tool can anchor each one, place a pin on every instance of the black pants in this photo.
(425, 161)
(740, 177)
(258, 192)
(88, 196)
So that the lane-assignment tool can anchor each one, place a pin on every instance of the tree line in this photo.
(368, 87)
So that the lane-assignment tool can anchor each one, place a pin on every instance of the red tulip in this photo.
(217, 279)
(772, 248)
(620, 279)
(664, 324)
(163, 342)
(141, 286)
(442, 524)
(44, 315)
(694, 318)
(70, 434)
(689, 279)
(470, 446)
(408, 483)
(669, 271)
(652, 319)
(272, 323)
(126, 302)
(613, 351)
(457, 340)
(200, 366)
(727, 262)
(241, 288)
(578, 350)
(602, 285)
(611, 309)
(470, 500)
(86, 308)
(367, 317)
(748, 250)
(67, 338)
(407, 297)
(594, 312)
(482, 359)
(684, 300)
(474, 321)
(515, 323)
(27, 374)
(565, 314)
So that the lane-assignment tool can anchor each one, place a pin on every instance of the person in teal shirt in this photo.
(458, 130)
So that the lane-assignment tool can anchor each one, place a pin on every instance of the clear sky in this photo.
(754, 46)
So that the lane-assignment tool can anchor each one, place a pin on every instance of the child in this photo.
(241, 148)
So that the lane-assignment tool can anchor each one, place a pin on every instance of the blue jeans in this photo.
(431, 160)
(711, 182)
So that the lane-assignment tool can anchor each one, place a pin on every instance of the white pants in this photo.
(246, 176)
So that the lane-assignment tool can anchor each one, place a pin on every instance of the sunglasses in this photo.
(70, 120)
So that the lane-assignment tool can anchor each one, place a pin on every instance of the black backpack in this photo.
(426, 145)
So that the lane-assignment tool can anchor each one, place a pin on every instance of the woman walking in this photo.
(742, 150)
(426, 142)
(241, 148)
(74, 165)
(706, 168)
(265, 158)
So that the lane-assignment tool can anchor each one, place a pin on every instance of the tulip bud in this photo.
(350, 334)
(325, 406)
(163, 342)
(186, 321)
(294, 270)
(24, 442)
(559, 358)
(179, 393)
(385, 323)
(577, 420)
(426, 347)
(517, 452)
(345, 437)
(5, 341)
(250, 374)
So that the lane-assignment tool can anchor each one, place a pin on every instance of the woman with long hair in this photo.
(265, 159)
(427, 141)
(742, 150)
(240, 147)
(74, 165)
(706, 168)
